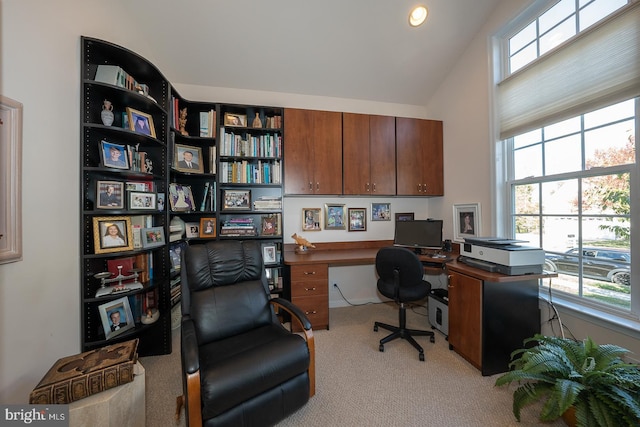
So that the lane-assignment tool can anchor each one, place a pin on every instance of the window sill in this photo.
(622, 324)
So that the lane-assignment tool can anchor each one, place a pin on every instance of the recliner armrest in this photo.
(189, 346)
(294, 310)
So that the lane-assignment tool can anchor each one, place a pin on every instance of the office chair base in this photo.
(405, 334)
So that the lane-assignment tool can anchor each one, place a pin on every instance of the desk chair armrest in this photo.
(189, 346)
(294, 310)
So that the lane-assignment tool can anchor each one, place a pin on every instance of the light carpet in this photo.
(357, 385)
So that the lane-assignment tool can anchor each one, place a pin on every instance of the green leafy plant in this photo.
(563, 373)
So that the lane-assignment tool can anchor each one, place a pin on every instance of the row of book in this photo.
(209, 198)
(238, 226)
(267, 145)
(267, 203)
(115, 75)
(245, 172)
(208, 124)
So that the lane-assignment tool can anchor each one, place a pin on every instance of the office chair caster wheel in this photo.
(432, 339)
(421, 357)
(381, 348)
(375, 328)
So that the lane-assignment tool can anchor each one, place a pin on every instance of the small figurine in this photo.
(182, 121)
(303, 244)
(257, 123)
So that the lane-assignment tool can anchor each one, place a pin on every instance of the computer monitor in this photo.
(419, 234)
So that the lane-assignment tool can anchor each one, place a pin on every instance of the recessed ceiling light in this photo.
(418, 16)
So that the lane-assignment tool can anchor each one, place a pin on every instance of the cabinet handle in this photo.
(367, 187)
(317, 186)
(309, 272)
(310, 289)
(310, 186)
(374, 187)
(419, 188)
(310, 312)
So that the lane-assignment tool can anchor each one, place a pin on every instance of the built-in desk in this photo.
(309, 272)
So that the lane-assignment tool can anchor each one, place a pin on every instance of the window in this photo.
(568, 107)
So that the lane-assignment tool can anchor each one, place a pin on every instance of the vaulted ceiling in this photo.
(358, 49)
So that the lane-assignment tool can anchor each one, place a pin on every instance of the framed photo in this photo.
(380, 211)
(114, 155)
(140, 122)
(188, 159)
(236, 200)
(110, 195)
(269, 226)
(116, 317)
(357, 219)
(142, 201)
(192, 229)
(11, 113)
(160, 201)
(231, 119)
(466, 221)
(405, 216)
(207, 228)
(180, 198)
(175, 250)
(112, 234)
(152, 237)
(269, 254)
(334, 217)
(311, 219)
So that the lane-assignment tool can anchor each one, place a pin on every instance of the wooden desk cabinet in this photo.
(310, 292)
(490, 315)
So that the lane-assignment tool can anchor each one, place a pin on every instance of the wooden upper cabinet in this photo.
(419, 157)
(312, 152)
(369, 154)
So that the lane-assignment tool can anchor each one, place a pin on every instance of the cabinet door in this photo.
(382, 147)
(419, 157)
(355, 153)
(465, 317)
(327, 152)
(298, 151)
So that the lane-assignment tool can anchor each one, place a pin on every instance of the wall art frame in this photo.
(466, 221)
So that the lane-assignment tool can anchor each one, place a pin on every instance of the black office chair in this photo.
(400, 278)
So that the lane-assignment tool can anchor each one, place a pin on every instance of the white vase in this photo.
(107, 113)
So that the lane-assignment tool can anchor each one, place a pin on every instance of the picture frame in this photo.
(181, 198)
(107, 239)
(11, 113)
(380, 211)
(114, 155)
(405, 216)
(269, 225)
(232, 119)
(160, 201)
(334, 217)
(269, 254)
(311, 219)
(357, 219)
(140, 122)
(109, 195)
(466, 221)
(207, 228)
(114, 311)
(187, 158)
(236, 200)
(139, 200)
(175, 251)
(152, 237)
(192, 230)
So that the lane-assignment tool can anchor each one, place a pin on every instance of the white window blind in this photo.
(598, 67)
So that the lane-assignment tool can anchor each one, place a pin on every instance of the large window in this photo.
(568, 107)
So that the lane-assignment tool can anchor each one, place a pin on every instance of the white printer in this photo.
(505, 256)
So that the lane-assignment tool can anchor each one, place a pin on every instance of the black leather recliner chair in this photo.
(400, 275)
(241, 367)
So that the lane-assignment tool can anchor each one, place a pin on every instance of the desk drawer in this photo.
(301, 273)
(309, 288)
(316, 309)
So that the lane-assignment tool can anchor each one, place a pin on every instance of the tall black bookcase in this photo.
(134, 89)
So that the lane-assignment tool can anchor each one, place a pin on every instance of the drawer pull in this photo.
(309, 272)
(311, 312)
(310, 289)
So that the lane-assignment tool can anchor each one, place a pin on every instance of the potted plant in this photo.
(564, 373)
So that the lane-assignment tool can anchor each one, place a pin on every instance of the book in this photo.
(75, 377)
(111, 74)
(125, 263)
